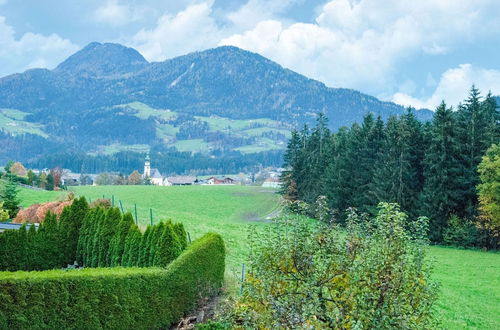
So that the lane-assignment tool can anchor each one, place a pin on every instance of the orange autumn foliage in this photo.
(37, 212)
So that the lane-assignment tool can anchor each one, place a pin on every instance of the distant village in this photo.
(54, 179)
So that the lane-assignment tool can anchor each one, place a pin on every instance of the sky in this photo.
(410, 52)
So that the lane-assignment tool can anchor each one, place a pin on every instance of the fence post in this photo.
(189, 238)
(135, 211)
(113, 200)
(121, 205)
(242, 278)
(151, 215)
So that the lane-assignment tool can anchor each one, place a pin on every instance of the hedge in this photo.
(113, 298)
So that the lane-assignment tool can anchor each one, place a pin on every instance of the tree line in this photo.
(429, 169)
(93, 237)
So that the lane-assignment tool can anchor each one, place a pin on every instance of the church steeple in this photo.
(147, 166)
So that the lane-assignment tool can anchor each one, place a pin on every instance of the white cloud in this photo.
(454, 85)
(189, 30)
(115, 14)
(359, 44)
(255, 11)
(31, 50)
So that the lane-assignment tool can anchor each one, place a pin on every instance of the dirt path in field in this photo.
(253, 216)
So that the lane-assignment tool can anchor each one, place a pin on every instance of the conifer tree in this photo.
(291, 165)
(473, 136)
(168, 247)
(83, 237)
(132, 245)
(397, 177)
(106, 231)
(9, 197)
(48, 243)
(143, 260)
(441, 169)
(370, 139)
(181, 235)
(340, 187)
(70, 222)
(491, 115)
(92, 246)
(31, 246)
(22, 244)
(50, 182)
(117, 244)
(155, 238)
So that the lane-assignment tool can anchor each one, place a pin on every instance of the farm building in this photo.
(220, 180)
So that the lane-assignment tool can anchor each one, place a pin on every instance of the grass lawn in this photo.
(470, 288)
(29, 197)
(470, 280)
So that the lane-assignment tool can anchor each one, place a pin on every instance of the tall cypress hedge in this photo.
(113, 298)
(94, 237)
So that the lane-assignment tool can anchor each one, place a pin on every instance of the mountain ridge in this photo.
(224, 98)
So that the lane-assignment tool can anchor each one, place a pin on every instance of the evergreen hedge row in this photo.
(113, 298)
(95, 237)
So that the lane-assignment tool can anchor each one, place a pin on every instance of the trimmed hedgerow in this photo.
(113, 298)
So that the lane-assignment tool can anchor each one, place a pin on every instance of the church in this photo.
(153, 174)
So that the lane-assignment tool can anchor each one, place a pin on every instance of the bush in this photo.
(460, 232)
(113, 298)
(374, 276)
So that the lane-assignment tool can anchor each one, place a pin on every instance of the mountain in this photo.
(107, 98)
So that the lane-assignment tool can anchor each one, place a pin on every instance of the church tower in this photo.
(147, 166)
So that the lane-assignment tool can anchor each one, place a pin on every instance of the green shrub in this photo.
(113, 298)
(373, 275)
(460, 232)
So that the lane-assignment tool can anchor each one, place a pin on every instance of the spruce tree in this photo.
(472, 136)
(441, 170)
(340, 187)
(50, 182)
(397, 177)
(9, 197)
(291, 165)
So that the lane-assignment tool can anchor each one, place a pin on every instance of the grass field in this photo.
(470, 280)
(29, 197)
(12, 121)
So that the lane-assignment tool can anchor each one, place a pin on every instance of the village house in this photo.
(220, 180)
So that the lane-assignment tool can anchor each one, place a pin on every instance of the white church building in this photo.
(153, 174)
(157, 179)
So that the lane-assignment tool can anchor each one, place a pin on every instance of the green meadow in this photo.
(469, 279)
